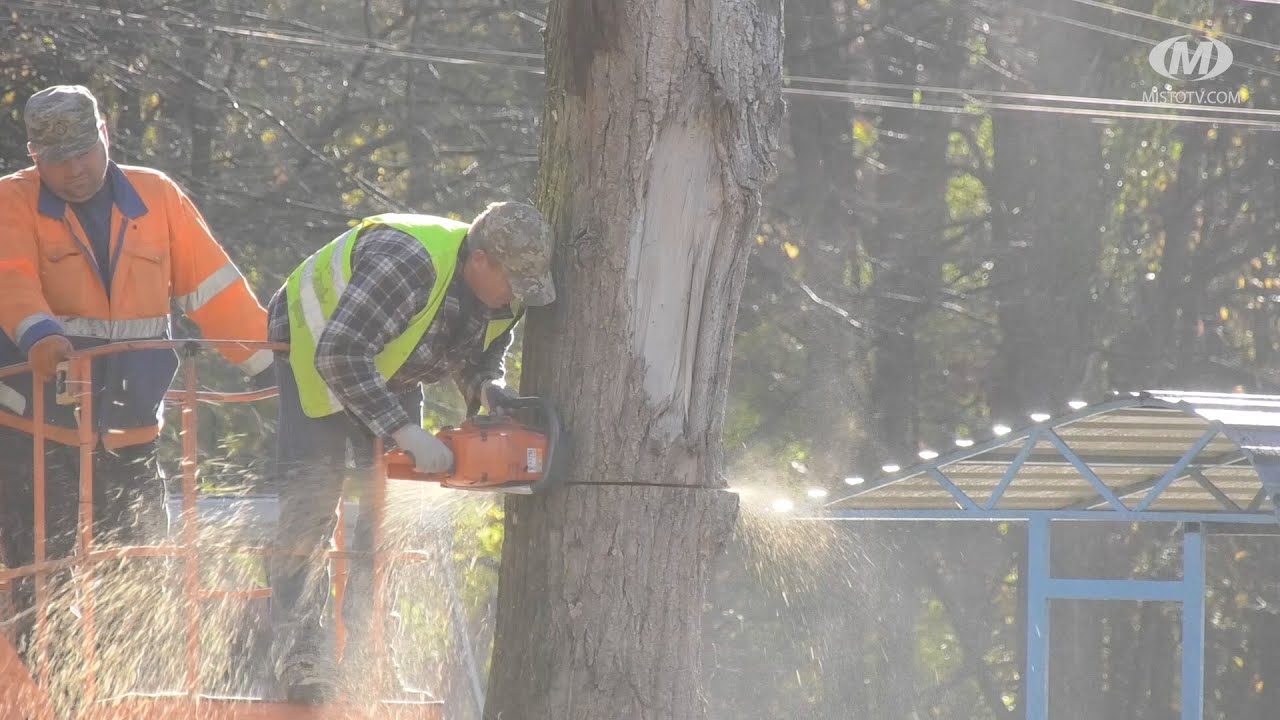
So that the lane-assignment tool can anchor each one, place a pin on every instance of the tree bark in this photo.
(661, 122)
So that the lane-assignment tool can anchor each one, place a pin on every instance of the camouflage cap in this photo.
(519, 239)
(62, 121)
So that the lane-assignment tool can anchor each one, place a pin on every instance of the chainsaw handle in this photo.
(404, 458)
(547, 424)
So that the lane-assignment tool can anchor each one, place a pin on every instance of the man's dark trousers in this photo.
(314, 457)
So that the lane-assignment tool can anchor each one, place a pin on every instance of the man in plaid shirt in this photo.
(392, 277)
(400, 266)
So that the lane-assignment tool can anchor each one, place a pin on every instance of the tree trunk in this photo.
(658, 140)
(1048, 207)
(823, 193)
(194, 104)
(908, 232)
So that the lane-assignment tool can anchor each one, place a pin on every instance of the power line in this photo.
(329, 41)
(364, 47)
(1179, 24)
(1127, 36)
(1149, 16)
(891, 102)
(1048, 97)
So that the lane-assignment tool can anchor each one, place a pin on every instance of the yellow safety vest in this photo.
(314, 288)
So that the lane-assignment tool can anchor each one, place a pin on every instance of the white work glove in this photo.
(495, 392)
(430, 455)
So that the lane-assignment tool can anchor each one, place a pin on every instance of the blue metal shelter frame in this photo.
(1209, 462)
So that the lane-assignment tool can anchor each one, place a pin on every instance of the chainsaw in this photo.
(513, 449)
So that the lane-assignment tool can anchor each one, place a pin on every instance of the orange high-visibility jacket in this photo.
(162, 255)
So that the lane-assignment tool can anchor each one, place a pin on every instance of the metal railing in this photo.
(76, 388)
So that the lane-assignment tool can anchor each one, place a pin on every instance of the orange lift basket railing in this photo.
(24, 697)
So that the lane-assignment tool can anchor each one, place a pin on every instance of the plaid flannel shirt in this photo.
(391, 280)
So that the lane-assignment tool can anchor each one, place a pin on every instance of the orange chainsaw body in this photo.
(490, 452)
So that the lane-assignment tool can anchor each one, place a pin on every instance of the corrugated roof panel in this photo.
(1129, 444)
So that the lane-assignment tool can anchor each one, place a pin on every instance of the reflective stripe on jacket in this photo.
(162, 255)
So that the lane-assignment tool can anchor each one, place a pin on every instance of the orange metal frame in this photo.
(22, 696)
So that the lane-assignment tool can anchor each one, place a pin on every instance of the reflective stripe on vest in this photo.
(313, 291)
(75, 326)
(135, 329)
(221, 279)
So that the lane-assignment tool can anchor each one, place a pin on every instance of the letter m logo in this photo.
(1177, 60)
(1182, 60)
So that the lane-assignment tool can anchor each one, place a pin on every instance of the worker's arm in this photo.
(481, 367)
(391, 280)
(24, 313)
(211, 290)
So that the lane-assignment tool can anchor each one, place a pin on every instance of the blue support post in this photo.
(1103, 589)
(1038, 577)
(1193, 580)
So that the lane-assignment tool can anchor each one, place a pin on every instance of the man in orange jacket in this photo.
(90, 253)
